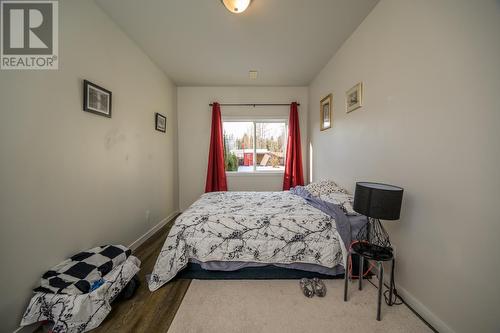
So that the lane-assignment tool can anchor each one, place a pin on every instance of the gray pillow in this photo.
(341, 198)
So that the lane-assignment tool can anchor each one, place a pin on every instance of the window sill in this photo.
(254, 173)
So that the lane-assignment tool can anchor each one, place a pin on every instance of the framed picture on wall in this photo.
(326, 112)
(160, 122)
(354, 98)
(96, 99)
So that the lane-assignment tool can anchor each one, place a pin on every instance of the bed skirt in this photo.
(269, 272)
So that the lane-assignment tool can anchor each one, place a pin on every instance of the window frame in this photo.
(254, 120)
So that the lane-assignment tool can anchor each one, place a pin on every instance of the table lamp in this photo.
(376, 201)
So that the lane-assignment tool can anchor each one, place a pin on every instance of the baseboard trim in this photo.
(138, 242)
(423, 311)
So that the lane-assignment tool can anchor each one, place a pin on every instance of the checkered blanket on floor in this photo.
(83, 312)
(84, 271)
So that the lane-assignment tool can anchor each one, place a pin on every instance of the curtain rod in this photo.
(253, 104)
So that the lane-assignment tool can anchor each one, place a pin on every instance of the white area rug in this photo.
(279, 306)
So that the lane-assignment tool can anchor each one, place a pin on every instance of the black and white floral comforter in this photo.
(264, 227)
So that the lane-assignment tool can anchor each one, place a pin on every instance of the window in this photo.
(254, 146)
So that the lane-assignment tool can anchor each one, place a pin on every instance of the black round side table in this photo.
(376, 253)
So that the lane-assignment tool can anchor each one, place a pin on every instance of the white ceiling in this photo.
(200, 43)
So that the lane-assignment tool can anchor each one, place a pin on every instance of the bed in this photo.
(232, 230)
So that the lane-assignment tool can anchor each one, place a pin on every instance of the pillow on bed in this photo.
(324, 187)
(340, 198)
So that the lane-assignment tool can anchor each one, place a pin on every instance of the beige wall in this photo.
(194, 133)
(430, 123)
(70, 180)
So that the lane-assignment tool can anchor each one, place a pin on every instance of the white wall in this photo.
(70, 180)
(194, 133)
(430, 123)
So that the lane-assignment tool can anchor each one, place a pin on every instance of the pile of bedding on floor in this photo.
(76, 294)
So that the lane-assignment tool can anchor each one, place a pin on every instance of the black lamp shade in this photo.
(379, 201)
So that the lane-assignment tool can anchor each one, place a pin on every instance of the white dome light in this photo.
(236, 6)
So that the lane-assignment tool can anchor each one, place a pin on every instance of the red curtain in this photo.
(293, 167)
(216, 175)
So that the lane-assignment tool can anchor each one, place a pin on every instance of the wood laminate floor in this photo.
(147, 311)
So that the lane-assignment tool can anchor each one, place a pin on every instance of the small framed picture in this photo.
(354, 98)
(96, 99)
(326, 112)
(160, 122)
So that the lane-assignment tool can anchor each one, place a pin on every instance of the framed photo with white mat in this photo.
(160, 122)
(96, 99)
(354, 98)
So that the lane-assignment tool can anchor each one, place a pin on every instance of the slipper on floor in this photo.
(319, 287)
(307, 287)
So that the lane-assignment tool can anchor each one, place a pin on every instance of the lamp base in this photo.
(373, 241)
(372, 251)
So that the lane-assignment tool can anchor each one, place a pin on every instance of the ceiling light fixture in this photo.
(236, 6)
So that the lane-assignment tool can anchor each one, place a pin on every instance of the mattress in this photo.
(230, 266)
